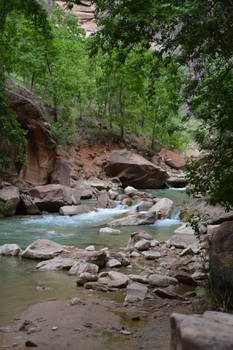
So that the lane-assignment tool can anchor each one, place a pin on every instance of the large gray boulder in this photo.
(134, 170)
(43, 249)
(9, 197)
(211, 331)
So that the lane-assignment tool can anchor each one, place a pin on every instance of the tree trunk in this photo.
(121, 110)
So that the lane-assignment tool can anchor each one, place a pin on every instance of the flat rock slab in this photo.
(43, 249)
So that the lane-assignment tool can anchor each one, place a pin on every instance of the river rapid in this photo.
(20, 286)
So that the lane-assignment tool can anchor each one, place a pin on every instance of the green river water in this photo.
(20, 286)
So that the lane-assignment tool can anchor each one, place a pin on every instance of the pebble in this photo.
(125, 332)
(54, 328)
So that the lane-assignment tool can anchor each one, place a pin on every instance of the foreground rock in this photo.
(221, 257)
(134, 170)
(9, 197)
(51, 197)
(213, 330)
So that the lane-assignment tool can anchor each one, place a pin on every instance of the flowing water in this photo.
(21, 286)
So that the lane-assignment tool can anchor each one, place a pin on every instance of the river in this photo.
(20, 286)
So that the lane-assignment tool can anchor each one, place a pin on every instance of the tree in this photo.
(200, 33)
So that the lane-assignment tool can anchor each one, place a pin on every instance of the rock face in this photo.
(9, 196)
(42, 249)
(211, 331)
(61, 173)
(51, 197)
(174, 160)
(41, 154)
(134, 170)
(221, 257)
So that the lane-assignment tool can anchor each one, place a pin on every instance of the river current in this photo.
(20, 286)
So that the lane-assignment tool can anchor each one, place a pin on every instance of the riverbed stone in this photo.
(176, 242)
(134, 218)
(158, 280)
(137, 236)
(151, 254)
(139, 278)
(43, 249)
(57, 263)
(113, 279)
(135, 292)
(10, 250)
(86, 277)
(82, 266)
(185, 278)
(145, 206)
(142, 244)
(162, 208)
(184, 229)
(104, 201)
(110, 231)
(122, 257)
(113, 263)
(75, 209)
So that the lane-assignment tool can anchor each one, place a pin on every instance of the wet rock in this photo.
(162, 208)
(42, 249)
(55, 264)
(135, 292)
(113, 194)
(90, 248)
(158, 280)
(110, 231)
(135, 254)
(134, 218)
(10, 250)
(213, 330)
(151, 255)
(75, 209)
(104, 201)
(134, 170)
(9, 197)
(137, 236)
(121, 257)
(145, 206)
(127, 202)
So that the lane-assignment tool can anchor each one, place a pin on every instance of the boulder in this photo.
(121, 257)
(158, 280)
(134, 219)
(215, 214)
(127, 202)
(51, 197)
(184, 229)
(43, 249)
(135, 292)
(213, 330)
(113, 279)
(10, 250)
(137, 236)
(61, 173)
(86, 277)
(142, 244)
(145, 206)
(9, 197)
(165, 293)
(28, 206)
(75, 209)
(112, 262)
(185, 278)
(110, 231)
(173, 159)
(139, 278)
(94, 257)
(134, 170)
(176, 242)
(55, 264)
(104, 201)
(221, 257)
(162, 208)
(82, 266)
